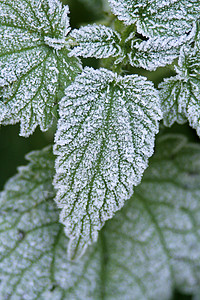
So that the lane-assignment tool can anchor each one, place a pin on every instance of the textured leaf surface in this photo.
(149, 248)
(180, 95)
(33, 244)
(156, 52)
(155, 17)
(96, 41)
(105, 136)
(34, 63)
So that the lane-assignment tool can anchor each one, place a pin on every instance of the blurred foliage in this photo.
(13, 147)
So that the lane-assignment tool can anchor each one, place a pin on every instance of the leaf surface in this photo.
(180, 95)
(156, 52)
(105, 136)
(158, 18)
(96, 41)
(34, 63)
(151, 246)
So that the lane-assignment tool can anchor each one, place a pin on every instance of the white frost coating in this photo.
(33, 61)
(105, 136)
(149, 248)
(158, 17)
(180, 95)
(57, 44)
(157, 52)
(96, 41)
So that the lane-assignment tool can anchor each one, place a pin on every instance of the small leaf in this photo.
(105, 136)
(180, 94)
(158, 18)
(157, 52)
(34, 63)
(149, 248)
(96, 41)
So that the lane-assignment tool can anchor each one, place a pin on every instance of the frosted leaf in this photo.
(180, 95)
(153, 244)
(34, 63)
(156, 52)
(105, 136)
(96, 41)
(33, 245)
(150, 247)
(156, 17)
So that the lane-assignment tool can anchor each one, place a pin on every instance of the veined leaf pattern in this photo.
(105, 136)
(34, 64)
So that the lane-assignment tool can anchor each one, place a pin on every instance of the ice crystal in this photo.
(96, 41)
(180, 94)
(105, 136)
(158, 17)
(149, 248)
(157, 52)
(33, 61)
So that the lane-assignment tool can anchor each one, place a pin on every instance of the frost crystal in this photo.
(157, 52)
(156, 17)
(105, 136)
(180, 95)
(96, 41)
(34, 62)
(149, 248)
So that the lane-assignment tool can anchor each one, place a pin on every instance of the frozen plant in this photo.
(52, 242)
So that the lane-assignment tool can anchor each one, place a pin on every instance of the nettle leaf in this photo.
(157, 52)
(146, 250)
(96, 41)
(158, 18)
(34, 63)
(153, 243)
(180, 94)
(28, 228)
(105, 136)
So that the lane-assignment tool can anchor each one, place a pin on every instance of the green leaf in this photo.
(179, 95)
(105, 136)
(147, 249)
(157, 52)
(34, 63)
(28, 228)
(158, 18)
(96, 41)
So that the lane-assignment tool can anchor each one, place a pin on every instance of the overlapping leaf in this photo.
(34, 63)
(150, 247)
(96, 41)
(100, 41)
(156, 52)
(33, 244)
(180, 94)
(105, 136)
(158, 18)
